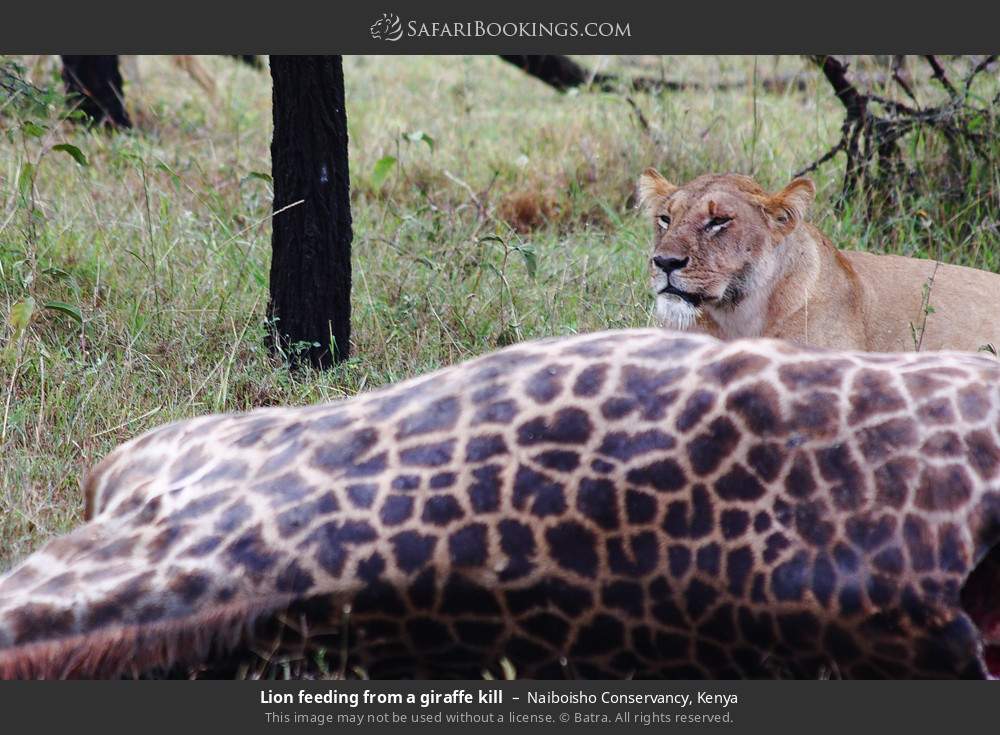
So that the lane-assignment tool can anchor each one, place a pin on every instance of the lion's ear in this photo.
(653, 189)
(789, 206)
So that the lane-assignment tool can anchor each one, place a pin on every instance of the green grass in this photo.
(508, 219)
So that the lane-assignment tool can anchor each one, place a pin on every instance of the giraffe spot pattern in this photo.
(633, 504)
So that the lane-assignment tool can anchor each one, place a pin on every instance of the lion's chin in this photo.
(674, 312)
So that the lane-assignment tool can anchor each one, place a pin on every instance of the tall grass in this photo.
(501, 211)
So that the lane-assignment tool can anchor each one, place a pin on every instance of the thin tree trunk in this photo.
(94, 85)
(310, 305)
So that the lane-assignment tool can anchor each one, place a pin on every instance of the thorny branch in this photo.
(940, 75)
(873, 125)
(902, 76)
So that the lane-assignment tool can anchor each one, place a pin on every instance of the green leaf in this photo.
(418, 136)
(27, 178)
(530, 261)
(56, 272)
(382, 168)
(62, 275)
(20, 315)
(260, 175)
(33, 129)
(174, 178)
(75, 153)
(67, 309)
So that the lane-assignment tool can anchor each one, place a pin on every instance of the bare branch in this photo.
(981, 66)
(638, 113)
(874, 127)
(840, 145)
(902, 76)
(562, 73)
(836, 73)
(940, 75)
(893, 105)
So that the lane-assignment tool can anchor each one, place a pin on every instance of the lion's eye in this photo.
(663, 221)
(717, 224)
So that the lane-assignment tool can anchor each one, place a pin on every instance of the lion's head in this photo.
(716, 240)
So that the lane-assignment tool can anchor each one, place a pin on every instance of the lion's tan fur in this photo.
(804, 288)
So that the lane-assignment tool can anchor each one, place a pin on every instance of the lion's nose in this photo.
(669, 265)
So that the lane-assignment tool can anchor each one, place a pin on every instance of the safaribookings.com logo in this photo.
(387, 28)
(390, 28)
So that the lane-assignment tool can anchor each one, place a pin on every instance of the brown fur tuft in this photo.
(653, 189)
(790, 205)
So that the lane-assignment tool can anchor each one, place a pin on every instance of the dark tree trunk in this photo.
(251, 60)
(310, 304)
(94, 85)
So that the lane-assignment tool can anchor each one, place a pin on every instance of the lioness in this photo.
(734, 261)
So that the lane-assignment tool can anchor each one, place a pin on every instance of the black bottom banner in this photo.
(431, 706)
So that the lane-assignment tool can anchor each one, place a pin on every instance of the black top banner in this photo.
(513, 26)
